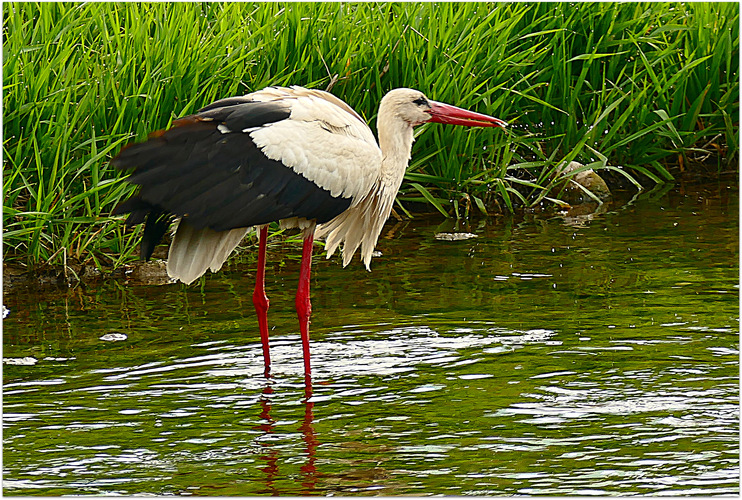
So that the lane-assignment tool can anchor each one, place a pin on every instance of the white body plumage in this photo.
(338, 152)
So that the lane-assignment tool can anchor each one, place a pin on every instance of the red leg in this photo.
(260, 299)
(303, 304)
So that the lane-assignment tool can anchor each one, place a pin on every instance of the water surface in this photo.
(562, 355)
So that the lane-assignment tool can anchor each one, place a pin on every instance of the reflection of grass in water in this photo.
(507, 388)
(636, 84)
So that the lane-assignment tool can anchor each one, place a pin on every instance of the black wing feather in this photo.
(215, 179)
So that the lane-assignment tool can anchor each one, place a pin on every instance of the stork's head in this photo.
(414, 108)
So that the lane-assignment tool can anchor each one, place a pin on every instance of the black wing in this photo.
(207, 170)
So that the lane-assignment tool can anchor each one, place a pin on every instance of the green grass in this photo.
(640, 90)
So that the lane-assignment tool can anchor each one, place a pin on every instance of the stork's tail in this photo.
(193, 251)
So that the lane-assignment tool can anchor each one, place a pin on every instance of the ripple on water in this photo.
(527, 361)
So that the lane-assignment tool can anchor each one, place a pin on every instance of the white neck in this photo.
(395, 140)
(361, 224)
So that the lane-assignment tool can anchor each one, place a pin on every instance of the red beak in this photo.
(445, 113)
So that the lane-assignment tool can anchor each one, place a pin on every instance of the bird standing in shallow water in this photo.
(294, 155)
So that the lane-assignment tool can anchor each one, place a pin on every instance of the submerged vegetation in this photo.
(642, 91)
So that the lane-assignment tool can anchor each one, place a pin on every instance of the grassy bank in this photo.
(644, 91)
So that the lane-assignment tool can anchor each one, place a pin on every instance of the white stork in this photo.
(298, 156)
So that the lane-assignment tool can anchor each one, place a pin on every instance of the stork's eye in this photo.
(421, 101)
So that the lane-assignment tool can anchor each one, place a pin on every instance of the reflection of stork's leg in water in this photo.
(307, 430)
(271, 456)
(267, 427)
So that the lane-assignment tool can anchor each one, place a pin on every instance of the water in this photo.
(571, 355)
